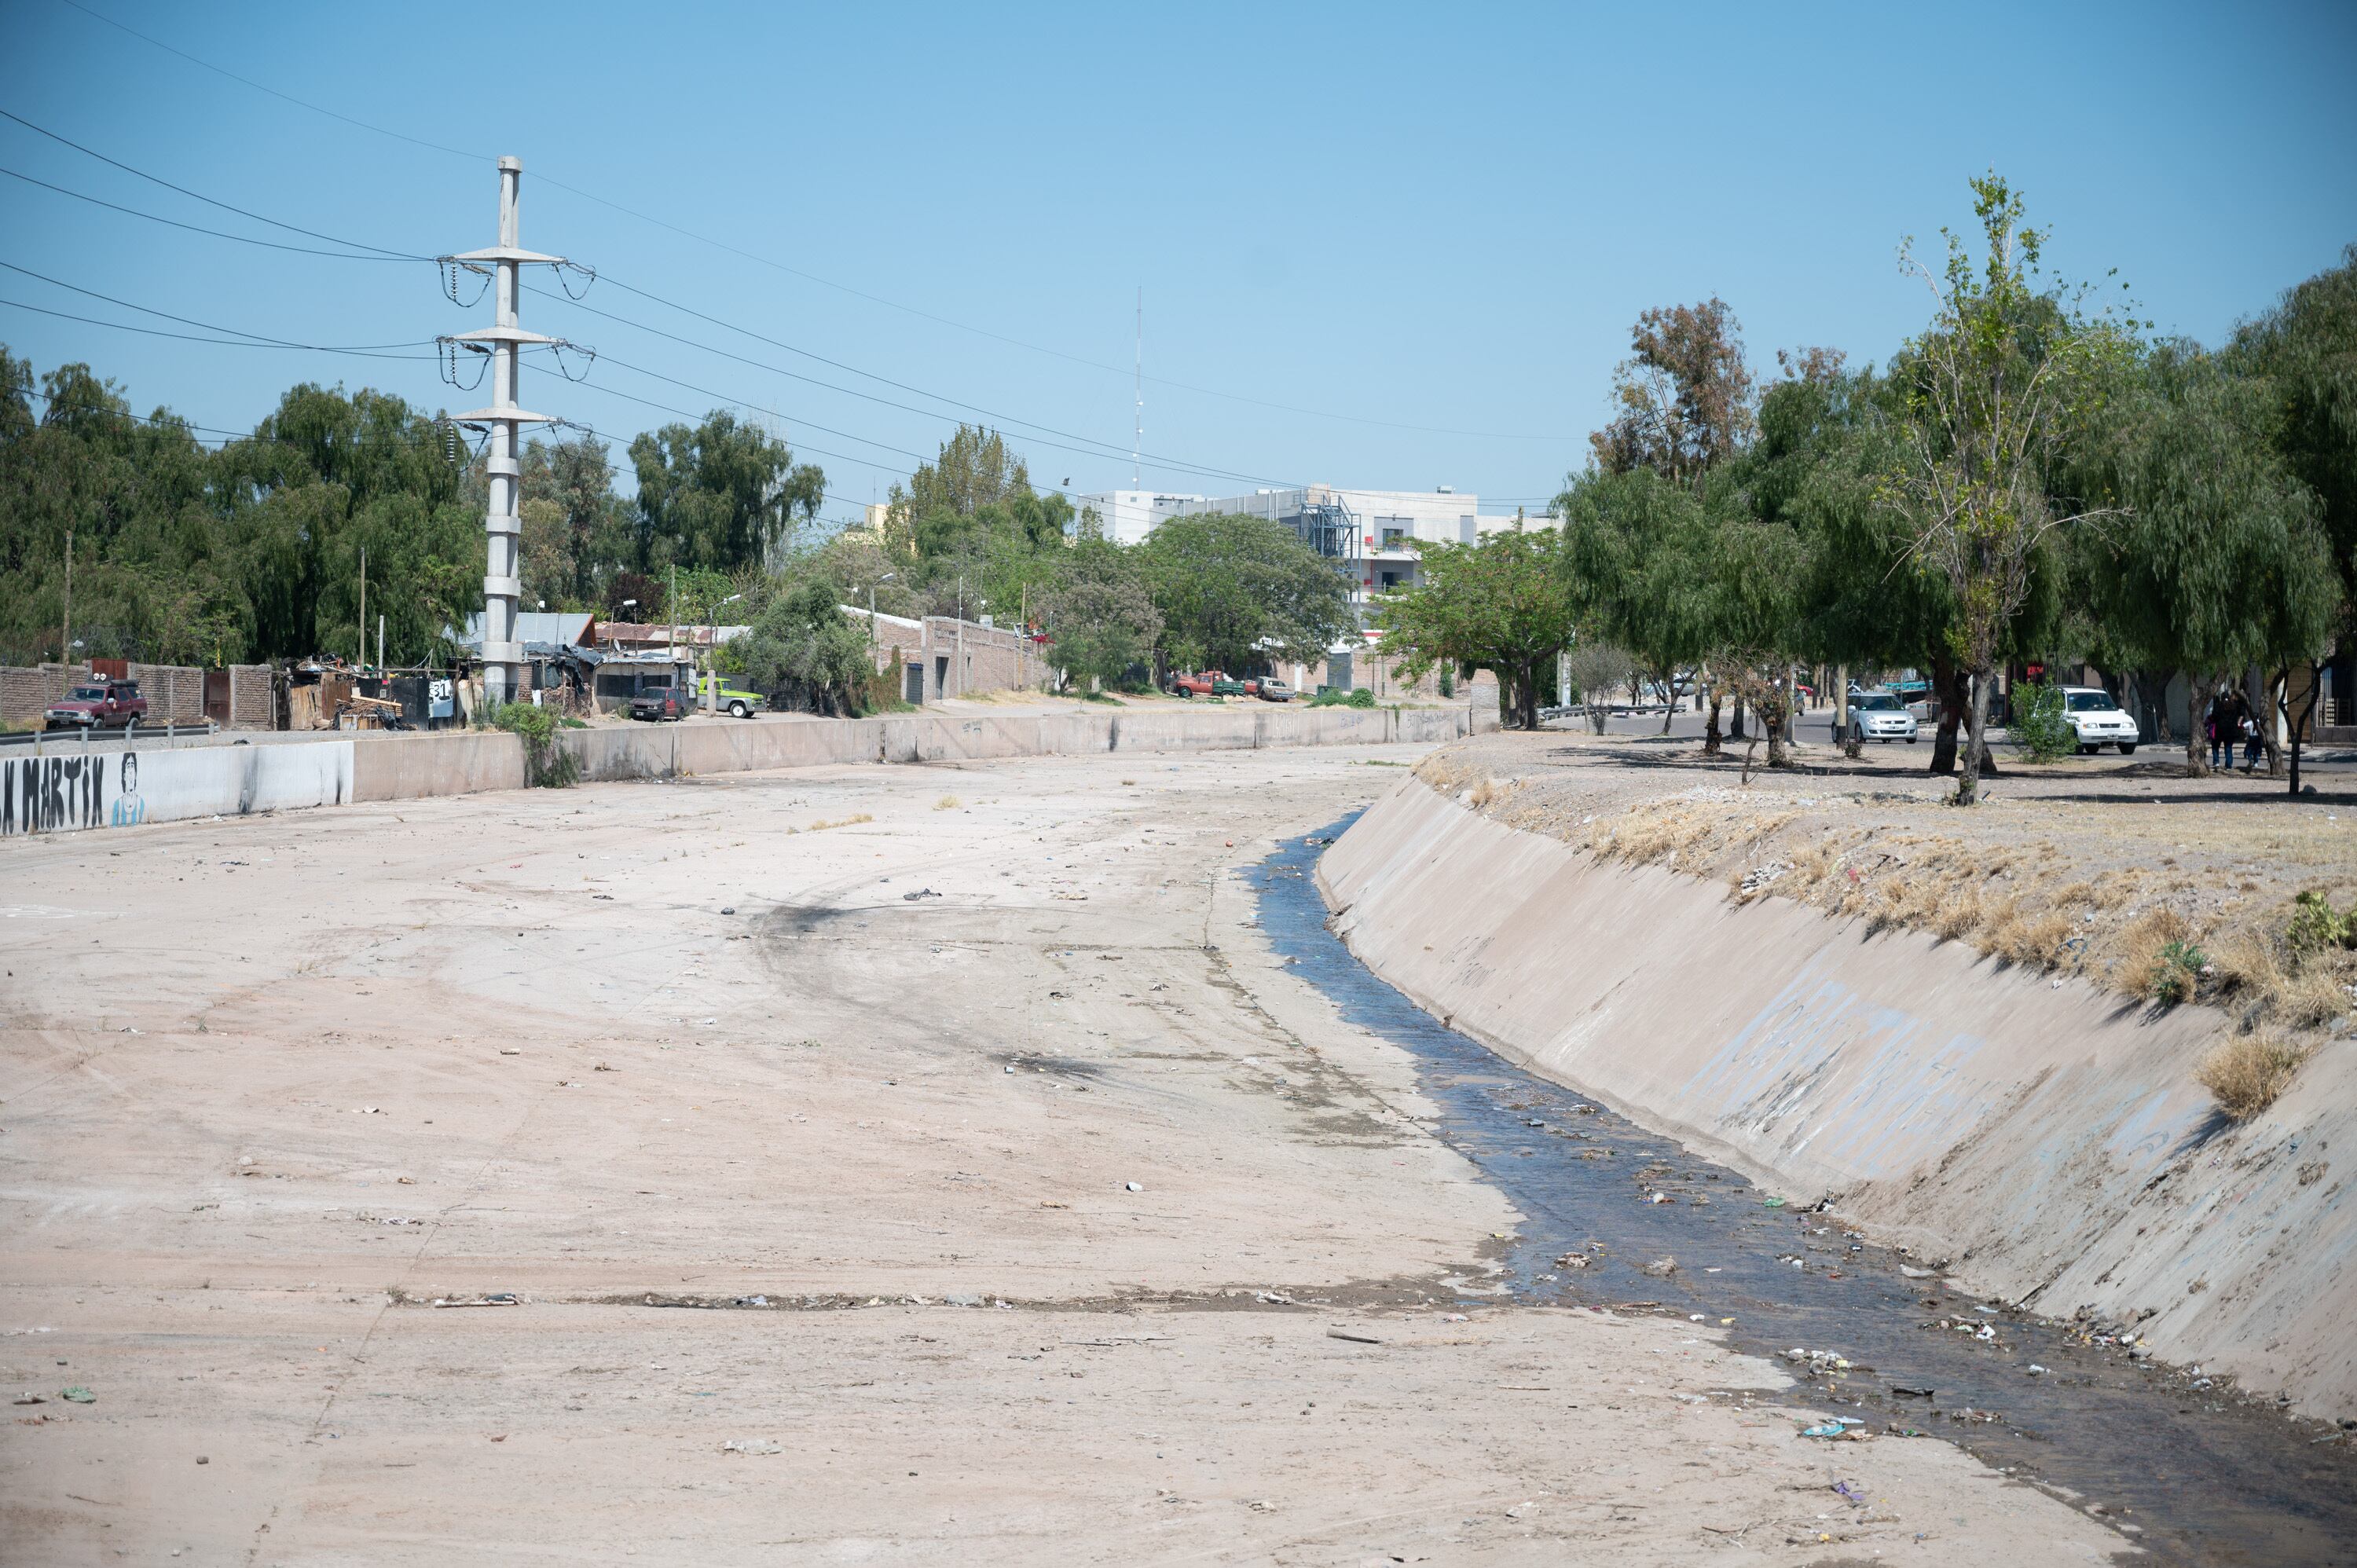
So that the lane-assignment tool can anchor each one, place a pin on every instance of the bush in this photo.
(2315, 925)
(2040, 726)
(2177, 975)
(2246, 1075)
(1447, 681)
(1362, 698)
(1329, 697)
(547, 765)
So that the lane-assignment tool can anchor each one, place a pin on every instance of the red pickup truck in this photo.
(98, 704)
(1209, 683)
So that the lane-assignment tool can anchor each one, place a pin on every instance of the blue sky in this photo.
(1425, 231)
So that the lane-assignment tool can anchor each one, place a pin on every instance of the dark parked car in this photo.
(659, 703)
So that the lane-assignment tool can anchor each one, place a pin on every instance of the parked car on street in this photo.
(2098, 721)
(1209, 683)
(661, 703)
(738, 704)
(1269, 688)
(97, 704)
(1879, 715)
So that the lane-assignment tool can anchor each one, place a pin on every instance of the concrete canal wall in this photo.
(69, 787)
(2048, 1144)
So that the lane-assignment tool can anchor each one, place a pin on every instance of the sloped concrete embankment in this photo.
(2048, 1144)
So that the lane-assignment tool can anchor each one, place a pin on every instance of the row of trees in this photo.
(2031, 478)
(175, 552)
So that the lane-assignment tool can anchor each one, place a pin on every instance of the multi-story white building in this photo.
(1369, 535)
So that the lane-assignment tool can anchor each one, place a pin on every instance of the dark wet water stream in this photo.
(2187, 1468)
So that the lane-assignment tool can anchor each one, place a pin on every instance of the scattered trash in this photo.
(758, 1445)
(920, 893)
(1134, 1187)
(509, 1051)
(1662, 1268)
(31, 1399)
(1353, 1338)
(728, 908)
(1771, 1203)
(2034, 1369)
(1911, 1393)
(1829, 1429)
(498, 1298)
(77, 1394)
(1912, 1272)
(1274, 1298)
(1849, 1493)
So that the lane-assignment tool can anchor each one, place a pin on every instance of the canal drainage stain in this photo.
(1618, 1218)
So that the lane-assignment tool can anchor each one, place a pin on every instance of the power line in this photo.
(173, 423)
(1095, 448)
(192, 338)
(796, 272)
(1169, 464)
(258, 338)
(184, 191)
(200, 229)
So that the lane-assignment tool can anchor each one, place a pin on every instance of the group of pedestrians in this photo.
(2231, 724)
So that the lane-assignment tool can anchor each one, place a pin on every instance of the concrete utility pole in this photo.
(502, 578)
(65, 625)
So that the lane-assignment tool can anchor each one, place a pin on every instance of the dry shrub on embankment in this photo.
(2153, 898)
(2247, 1073)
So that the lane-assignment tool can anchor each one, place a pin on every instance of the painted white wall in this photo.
(62, 790)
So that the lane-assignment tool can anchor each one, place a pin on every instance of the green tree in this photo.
(1503, 602)
(720, 495)
(2007, 373)
(1233, 590)
(804, 652)
(2216, 559)
(1685, 394)
(1100, 616)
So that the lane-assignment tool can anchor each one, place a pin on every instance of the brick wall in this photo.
(175, 692)
(981, 658)
(252, 704)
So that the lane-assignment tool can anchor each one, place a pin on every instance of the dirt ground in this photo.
(889, 1164)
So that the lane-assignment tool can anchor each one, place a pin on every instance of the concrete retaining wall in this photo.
(2050, 1142)
(61, 789)
(664, 751)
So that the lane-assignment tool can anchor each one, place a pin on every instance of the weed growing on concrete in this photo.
(2246, 1074)
(547, 765)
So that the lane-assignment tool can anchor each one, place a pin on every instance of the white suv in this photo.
(2098, 720)
(1881, 716)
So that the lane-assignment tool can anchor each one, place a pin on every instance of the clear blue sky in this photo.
(1443, 218)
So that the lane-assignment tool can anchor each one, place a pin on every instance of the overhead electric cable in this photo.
(184, 191)
(234, 332)
(812, 277)
(1169, 464)
(200, 229)
(192, 338)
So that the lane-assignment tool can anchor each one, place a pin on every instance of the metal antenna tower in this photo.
(1137, 389)
(502, 578)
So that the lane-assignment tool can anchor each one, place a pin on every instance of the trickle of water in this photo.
(2202, 1476)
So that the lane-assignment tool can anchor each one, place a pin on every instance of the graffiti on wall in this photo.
(51, 794)
(64, 792)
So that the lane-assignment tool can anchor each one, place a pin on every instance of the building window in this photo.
(1392, 538)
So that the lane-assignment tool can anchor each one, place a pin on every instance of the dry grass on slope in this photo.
(2161, 902)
